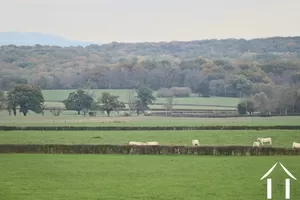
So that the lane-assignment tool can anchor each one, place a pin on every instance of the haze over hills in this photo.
(33, 38)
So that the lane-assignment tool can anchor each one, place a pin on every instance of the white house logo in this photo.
(287, 182)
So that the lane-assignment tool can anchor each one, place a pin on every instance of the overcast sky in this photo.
(152, 20)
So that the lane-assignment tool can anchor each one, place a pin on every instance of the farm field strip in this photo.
(60, 95)
(139, 177)
(281, 138)
(69, 118)
(185, 106)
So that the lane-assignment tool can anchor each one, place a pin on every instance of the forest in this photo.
(231, 67)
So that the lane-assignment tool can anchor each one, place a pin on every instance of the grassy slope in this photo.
(68, 118)
(281, 138)
(120, 177)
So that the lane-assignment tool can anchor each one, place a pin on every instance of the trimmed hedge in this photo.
(149, 150)
(140, 128)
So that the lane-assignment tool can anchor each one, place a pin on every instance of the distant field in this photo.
(193, 107)
(136, 177)
(69, 118)
(60, 95)
(281, 138)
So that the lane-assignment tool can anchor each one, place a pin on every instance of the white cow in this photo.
(256, 144)
(136, 143)
(151, 143)
(296, 145)
(195, 143)
(264, 140)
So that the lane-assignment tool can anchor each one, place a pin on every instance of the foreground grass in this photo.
(280, 138)
(115, 177)
(70, 118)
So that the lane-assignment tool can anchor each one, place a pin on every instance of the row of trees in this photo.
(279, 100)
(29, 97)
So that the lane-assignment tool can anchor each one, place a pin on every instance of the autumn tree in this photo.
(109, 102)
(27, 97)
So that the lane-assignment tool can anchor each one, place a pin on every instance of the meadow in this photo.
(143, 177)
(127, 177)
(55, 97)
(70, 118)
(280, 138)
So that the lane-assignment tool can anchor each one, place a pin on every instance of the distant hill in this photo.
(33, 38)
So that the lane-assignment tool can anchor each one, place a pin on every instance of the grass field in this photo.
(69, 118)
(60, 95)
(187, 107)
(123, 177)
(280, 138)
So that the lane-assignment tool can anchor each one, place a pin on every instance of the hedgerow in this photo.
(148, 150)
(141, 128)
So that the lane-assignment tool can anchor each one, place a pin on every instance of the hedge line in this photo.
(140, 128)
(150, 150)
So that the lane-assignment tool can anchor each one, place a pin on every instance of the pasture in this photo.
(60, 95)
(280, 138)
(127, 177)
(70, 118)
(143, 177)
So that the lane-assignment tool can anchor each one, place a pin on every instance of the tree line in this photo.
(227, 68)
(264, 99)
(29, 97)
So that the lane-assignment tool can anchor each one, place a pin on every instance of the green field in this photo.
(280, 138)
(128, 177)
(69, 118)
(60, 95)
(181, 107)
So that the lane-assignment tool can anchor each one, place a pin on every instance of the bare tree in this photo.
(55, 111)
(131, 101)
(169, 105)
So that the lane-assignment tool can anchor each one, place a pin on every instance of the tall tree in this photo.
(109, 102)
(27, 97)
(2, 100)
(144, 98)
(203, 88)
(79, 101)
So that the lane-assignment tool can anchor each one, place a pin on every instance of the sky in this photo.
(103, 21)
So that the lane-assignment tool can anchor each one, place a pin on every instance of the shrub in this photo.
(147, 113)
(181, 91)
(164, 93)
(92, 113)
(55, 111)
(126, 114)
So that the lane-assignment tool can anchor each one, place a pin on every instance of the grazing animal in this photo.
(195, 143)
(136, 143)
(151, 143)
(256, 144)
(264, 140)
(296, 145)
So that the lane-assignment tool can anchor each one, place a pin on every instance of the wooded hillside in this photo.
(228, 67)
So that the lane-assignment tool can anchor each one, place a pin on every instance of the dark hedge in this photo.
(160, 150)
